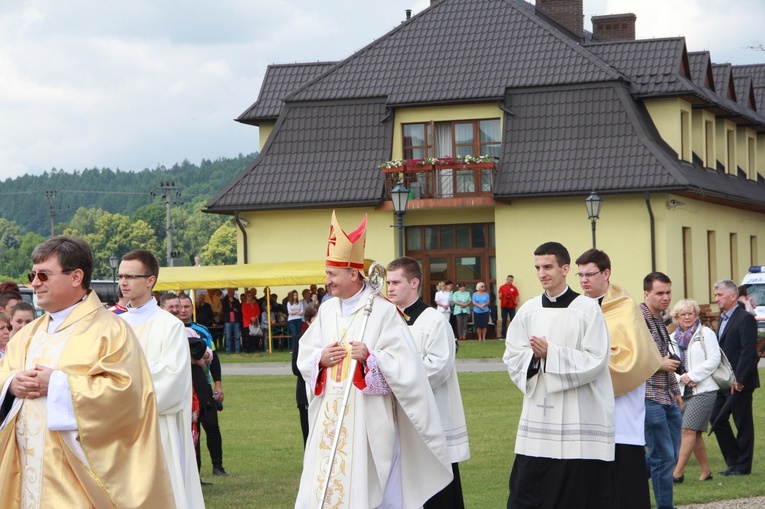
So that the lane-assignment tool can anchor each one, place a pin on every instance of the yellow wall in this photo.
(440, 114)
(721, 138)
(301, 235)
(666, 116)
(700, 119)
(623, 231)
(743, 135)
(702, 217)
(264, 131)
(524, 225)
(761, 155)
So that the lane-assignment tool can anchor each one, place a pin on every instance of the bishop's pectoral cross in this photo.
(545, 406)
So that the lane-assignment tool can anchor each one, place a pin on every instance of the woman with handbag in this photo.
(699, 353)
(251, 333)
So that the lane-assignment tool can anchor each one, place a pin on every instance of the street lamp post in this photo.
(400, 197)
(114, 263)
(593, 204)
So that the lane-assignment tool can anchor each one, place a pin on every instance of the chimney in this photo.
(408, 14)
(614, 27)
(567, 13)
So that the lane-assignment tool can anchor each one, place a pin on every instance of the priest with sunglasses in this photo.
(77, 406)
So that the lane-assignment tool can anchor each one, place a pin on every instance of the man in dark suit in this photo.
(737, 335)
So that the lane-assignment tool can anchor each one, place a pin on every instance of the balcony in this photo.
(442, 178)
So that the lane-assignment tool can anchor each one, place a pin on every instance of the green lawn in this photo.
(468, 350)
(263, 446)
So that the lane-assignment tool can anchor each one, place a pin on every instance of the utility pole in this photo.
(51, 194)
(170, 194)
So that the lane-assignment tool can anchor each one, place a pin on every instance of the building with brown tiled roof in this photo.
(672, 142)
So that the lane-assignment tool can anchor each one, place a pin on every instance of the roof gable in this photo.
(744, 91)
(403, 64)
(701, 69)
(654, 66)
(279, 81)
(757, 72)
(724, 81)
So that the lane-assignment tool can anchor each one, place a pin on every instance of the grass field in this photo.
(263, 445)
(491, 349)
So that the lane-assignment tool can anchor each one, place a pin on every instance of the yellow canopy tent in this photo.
(240, 276)
(243, 276)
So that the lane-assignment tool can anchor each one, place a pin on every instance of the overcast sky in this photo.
(132, 84)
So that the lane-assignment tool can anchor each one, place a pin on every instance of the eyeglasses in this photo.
(587, 275)
(43, 276)
(130, 277)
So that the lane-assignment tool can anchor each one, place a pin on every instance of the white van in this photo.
(755, 283)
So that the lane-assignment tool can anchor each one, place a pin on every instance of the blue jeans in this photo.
(296, 327)
(232, 335)
(662, 436)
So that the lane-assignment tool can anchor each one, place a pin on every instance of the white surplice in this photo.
(568, 406)
(376, 425)
(163, 339)
(434, 339)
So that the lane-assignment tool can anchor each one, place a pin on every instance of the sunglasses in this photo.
(44, 276)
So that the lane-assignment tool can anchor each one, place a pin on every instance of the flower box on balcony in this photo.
(408, 169)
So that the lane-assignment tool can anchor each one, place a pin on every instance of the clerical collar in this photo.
(147, 307)
(59, 317)
(348, 305)
(599, 299)
(414, 311)
(559, 301)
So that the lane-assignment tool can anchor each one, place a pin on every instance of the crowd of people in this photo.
(107, 406)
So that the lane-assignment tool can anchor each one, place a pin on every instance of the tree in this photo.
(117, 234)
(193, 231)
(84, 222)
(221, 250)
(154, 214)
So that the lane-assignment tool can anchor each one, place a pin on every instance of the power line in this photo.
(72, 191)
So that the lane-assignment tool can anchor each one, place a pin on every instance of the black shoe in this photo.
(727, 471)
(708, 478)
(205, 483)
(678, 480)
(732, 471)
(220, 472)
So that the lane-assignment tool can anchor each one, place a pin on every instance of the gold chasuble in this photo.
(634, 356)
(114, 458)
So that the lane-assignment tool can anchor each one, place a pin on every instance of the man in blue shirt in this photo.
(209, 420)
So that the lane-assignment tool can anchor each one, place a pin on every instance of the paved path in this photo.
(284, 368)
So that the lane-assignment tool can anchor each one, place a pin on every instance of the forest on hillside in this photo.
(116, 211)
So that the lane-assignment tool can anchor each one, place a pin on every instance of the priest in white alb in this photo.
(435, 341)
(163, 339)
(79, 417)
(557, 353)
(392, 451)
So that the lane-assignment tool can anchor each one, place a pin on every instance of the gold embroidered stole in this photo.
(31, 424)
(339, 490)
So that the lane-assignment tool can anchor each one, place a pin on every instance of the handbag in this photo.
(723, 373)
(255, 330)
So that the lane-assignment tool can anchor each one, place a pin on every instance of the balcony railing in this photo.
(432, 181)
